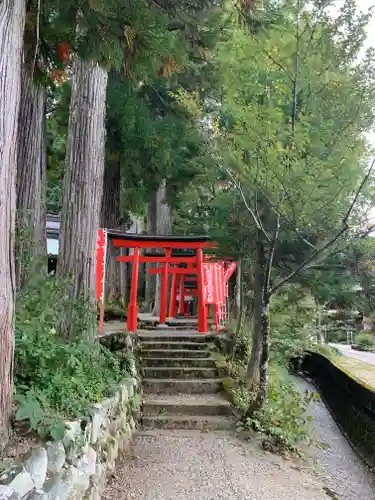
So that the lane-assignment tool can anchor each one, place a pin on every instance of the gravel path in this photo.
(339, 467)
(181, 465)
(188, 465)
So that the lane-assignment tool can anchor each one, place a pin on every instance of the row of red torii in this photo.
(209, 274)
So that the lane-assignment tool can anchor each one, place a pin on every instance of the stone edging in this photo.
(77, 467)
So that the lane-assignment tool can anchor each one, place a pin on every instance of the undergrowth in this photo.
(55, 379)
(364, 342)
(282, 420)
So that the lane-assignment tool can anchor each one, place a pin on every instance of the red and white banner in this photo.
(101, 258)
(208, 284)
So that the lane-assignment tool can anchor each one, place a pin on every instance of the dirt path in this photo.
(188, 465)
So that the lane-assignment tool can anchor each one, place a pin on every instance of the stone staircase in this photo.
(182, 386)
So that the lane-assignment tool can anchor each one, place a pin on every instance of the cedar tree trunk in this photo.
(163, 227)
(12, 20)
(83, 189)
(116, 282)
(31, 176)
(150, 285)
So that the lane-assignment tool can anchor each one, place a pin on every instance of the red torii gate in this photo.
(211, 275)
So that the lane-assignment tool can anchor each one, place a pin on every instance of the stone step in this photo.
(179, 372)
(174, 353)
(175, 362)
(186, 404)
(177, 386)
(175, 337)
(197, 422)
(178, 344)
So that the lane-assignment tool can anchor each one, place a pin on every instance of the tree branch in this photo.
(364, 180)
(267, 280)
(257, 221)
(332, 240)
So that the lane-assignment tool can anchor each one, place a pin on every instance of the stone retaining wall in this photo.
(77, 467)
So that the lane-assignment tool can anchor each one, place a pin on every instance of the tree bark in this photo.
(239, 291)
(319, 336)
(12, 19)
(163, 227)
(239, 297)
(239, 305)
(31, 177)
(253, 368)
(116, 275)
(83, 189)
(150, 278)
(265, 356)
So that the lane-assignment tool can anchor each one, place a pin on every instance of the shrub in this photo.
(365, 339)
(56, 379)
(282, 421)
(327, 350)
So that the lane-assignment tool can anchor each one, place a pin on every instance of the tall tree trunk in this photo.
(116, 283)
(12, 19)
(31, 177)
(163, 227)
(239, 287)
(265, 355)
(253, 368)
(150, 278)
(239, 305)
(83, 189)
(319, 336)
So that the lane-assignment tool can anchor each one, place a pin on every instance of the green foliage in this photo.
(57, 132)
(327, 350)
(46, 424)
(365, 340)
(55, 379)
(292, 317)
(283, 419)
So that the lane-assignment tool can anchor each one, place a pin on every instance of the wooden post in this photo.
(133, 306)
(202, 310)
(172, 301)
(164, 289)
(101, 317)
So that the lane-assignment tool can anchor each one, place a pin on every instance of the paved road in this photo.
(346, 350)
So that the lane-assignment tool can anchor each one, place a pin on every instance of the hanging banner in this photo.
(208, 283)
(101, 258)
(230, 270)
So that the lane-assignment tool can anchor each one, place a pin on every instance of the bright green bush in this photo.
(57, 379)
(365, 339)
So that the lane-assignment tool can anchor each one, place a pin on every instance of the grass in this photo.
(362, 372)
